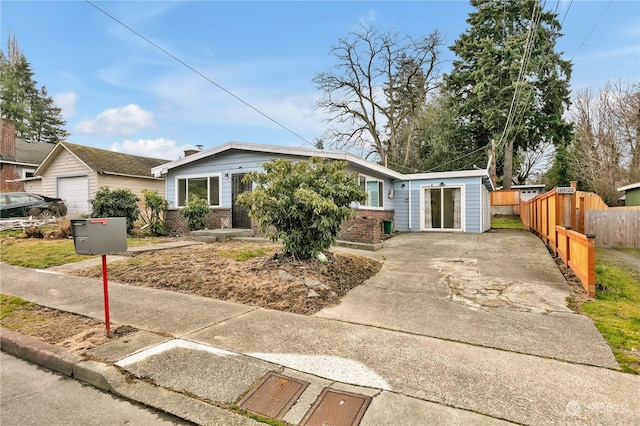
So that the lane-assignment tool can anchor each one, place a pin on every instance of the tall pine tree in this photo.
(508, 83)
(33, 111)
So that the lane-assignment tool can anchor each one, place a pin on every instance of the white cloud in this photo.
(125, 120)
(154, 148)
(66, 101)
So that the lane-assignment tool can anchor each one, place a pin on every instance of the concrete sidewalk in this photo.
(440, 336)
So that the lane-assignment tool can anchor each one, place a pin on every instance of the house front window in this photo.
(374, 189)
(204, 187)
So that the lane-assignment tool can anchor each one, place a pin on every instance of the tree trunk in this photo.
(507, 175)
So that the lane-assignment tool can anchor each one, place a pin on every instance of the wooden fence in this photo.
(506, 198)
(553, 216)
(615, 227)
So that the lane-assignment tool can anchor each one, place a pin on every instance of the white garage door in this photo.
(75, 193)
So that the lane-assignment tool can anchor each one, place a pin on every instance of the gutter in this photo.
(409, 204)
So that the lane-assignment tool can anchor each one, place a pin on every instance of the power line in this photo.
(592, 28)
(199, 73)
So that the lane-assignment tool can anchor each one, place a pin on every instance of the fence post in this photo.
(591, 265)
(581, 216)
(574, 225)
(567, 248)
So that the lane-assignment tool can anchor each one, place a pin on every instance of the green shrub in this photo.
(302, 204)
(155, 207)
(116, 203)
(195, 213)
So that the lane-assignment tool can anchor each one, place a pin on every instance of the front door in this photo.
(239, 217)
(442, 208)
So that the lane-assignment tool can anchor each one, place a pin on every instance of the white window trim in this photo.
(25, 171)
(218, 175)
(371, 179)
(463, 208)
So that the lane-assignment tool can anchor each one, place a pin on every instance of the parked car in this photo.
(22, 204)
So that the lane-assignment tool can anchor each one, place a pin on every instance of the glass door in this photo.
(442, 208)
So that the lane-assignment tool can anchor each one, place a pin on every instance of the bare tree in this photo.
(605, 150)
(376, 91)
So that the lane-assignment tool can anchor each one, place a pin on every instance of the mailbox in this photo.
(99, 235)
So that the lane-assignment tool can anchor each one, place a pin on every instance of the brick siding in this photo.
(174, 224)
(8, 152)
(366, 227)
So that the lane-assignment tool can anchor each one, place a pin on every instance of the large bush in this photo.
(116, 203)
(155, 207)
(195, 213)
(302, 204)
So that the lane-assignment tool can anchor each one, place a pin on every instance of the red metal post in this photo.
(106, 294)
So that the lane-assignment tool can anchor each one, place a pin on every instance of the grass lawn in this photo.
(616, 309)
(506, 222)
(43, 253)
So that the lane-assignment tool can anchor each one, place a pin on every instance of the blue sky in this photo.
(118, 92)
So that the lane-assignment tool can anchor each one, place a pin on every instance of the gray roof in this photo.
(103, 161)
(31, 153)
(109, 162)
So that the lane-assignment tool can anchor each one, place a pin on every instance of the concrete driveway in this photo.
(498, 289)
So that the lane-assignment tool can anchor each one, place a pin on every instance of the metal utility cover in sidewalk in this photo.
(273, 395)
(337, 408)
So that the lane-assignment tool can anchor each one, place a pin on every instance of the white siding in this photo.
(136, 185)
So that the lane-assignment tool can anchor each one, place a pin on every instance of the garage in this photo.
(75, 193)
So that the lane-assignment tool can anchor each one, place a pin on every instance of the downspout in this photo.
(409, 204)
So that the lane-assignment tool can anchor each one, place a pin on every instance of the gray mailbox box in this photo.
(99, 235)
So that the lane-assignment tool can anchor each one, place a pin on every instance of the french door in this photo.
(442, 208)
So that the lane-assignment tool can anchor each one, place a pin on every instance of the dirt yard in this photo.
(252, 273)
(266, 278)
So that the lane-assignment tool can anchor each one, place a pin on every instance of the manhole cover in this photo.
(273, 395)
(337, 408)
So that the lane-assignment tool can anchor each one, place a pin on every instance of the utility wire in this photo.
(198, 73)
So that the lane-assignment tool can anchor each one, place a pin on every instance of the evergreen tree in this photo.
(509, 84)
(34, 113)
(47, 124)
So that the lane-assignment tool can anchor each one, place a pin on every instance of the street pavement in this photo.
(454, 329)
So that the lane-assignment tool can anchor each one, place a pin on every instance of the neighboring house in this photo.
(446, 201)
(527, 192)
(18, 158)
(631, 194)
(75, 173)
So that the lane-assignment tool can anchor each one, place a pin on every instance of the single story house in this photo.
(631, 194)
(76, 172)
(19, 158)
(444, 201)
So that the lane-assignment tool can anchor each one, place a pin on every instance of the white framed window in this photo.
(206, 187)
(28, 173)
(442, 208)
(375, 191)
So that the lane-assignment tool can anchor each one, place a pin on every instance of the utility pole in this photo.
(494, 170)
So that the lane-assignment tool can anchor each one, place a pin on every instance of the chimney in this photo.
(188, 152)
(8, 143)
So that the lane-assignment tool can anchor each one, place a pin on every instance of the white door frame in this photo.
(463, 203)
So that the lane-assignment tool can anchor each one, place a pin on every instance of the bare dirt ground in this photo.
(266, 279)
(75, 333)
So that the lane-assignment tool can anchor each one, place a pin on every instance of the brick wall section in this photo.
(9, 172)
(8, 152)
(174, 224)
(366, 227)
(8, 142)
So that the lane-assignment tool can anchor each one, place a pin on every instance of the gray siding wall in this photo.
(473, 202)
(237, 161)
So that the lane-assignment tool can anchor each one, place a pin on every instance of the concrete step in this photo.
(213, 235)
